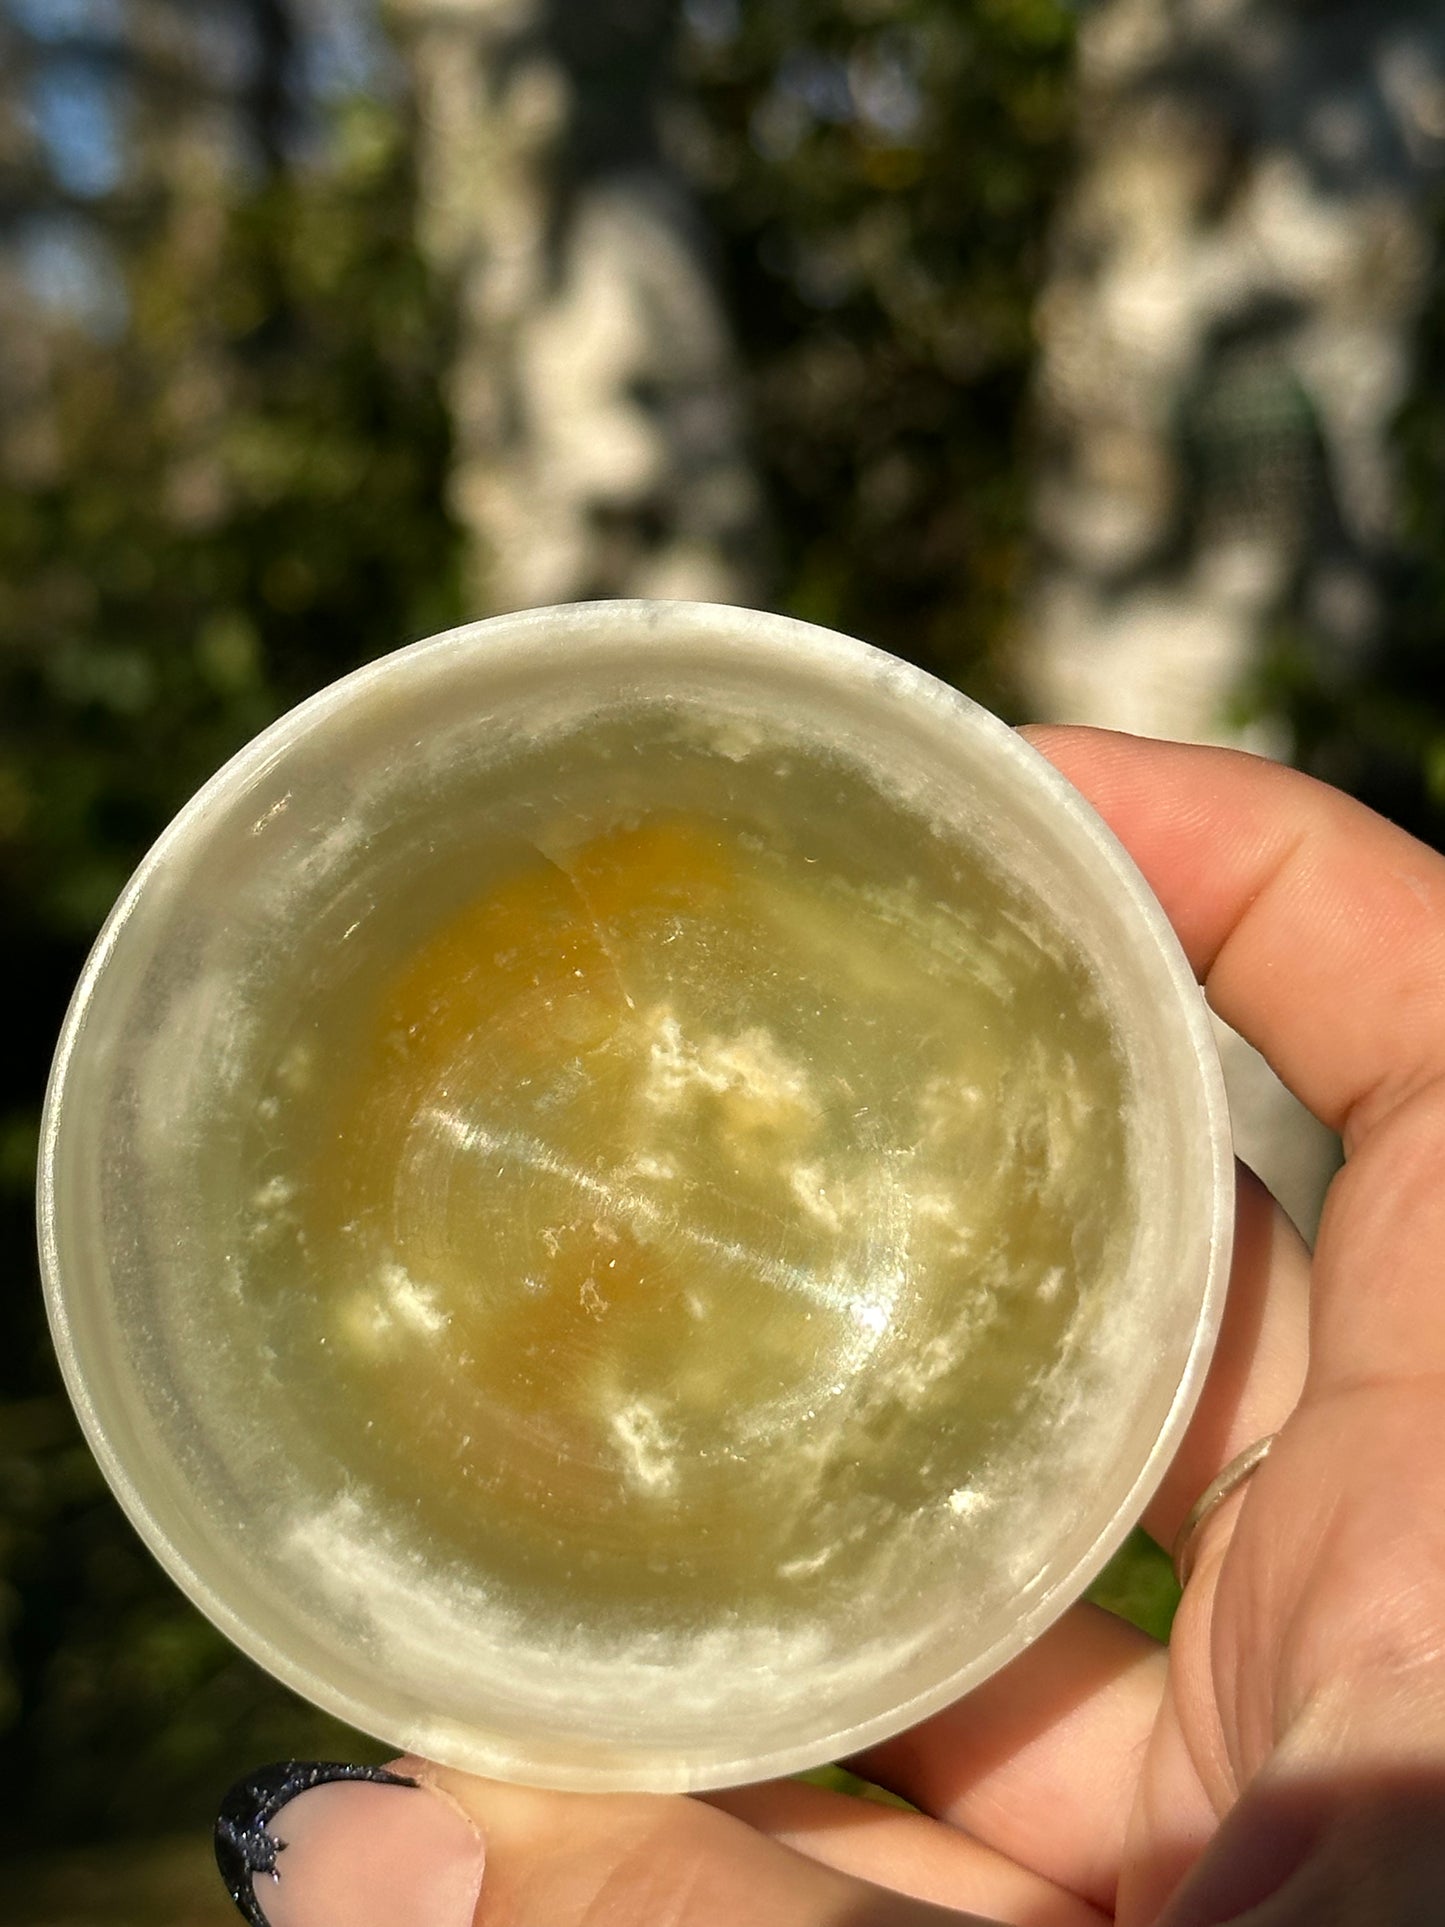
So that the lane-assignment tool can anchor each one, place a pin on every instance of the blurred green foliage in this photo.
(881, 174)
(1139, 1585)
(245, 501)
(1375, 725)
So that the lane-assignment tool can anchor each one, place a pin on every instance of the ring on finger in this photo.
(1186, 1545)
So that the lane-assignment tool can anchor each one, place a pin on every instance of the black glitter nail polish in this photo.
(245, 1844)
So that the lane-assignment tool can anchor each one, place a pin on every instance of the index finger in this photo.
(1316, 927)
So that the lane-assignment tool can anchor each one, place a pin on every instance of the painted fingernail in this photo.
(317, 1843)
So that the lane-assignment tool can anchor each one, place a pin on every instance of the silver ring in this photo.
(1214, 1494)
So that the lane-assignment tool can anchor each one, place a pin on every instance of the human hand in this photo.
(1283, 1761)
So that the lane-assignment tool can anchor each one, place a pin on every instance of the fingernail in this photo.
(316, 1843)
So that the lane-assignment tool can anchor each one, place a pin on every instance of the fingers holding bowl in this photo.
(908, 1853)
(1316, 927)
(416, 1845)
(1318, 931)
(613, 1860)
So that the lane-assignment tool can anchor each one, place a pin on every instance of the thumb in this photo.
(1343, 1827)
(640, 1860)
(418, 1845)
(1368, 1854)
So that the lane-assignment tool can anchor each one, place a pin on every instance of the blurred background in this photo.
(1090, 353)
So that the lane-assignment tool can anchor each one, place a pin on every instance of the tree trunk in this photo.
(599, 443)
(1225, 337)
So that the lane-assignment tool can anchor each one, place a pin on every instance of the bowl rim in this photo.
(646, 624)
